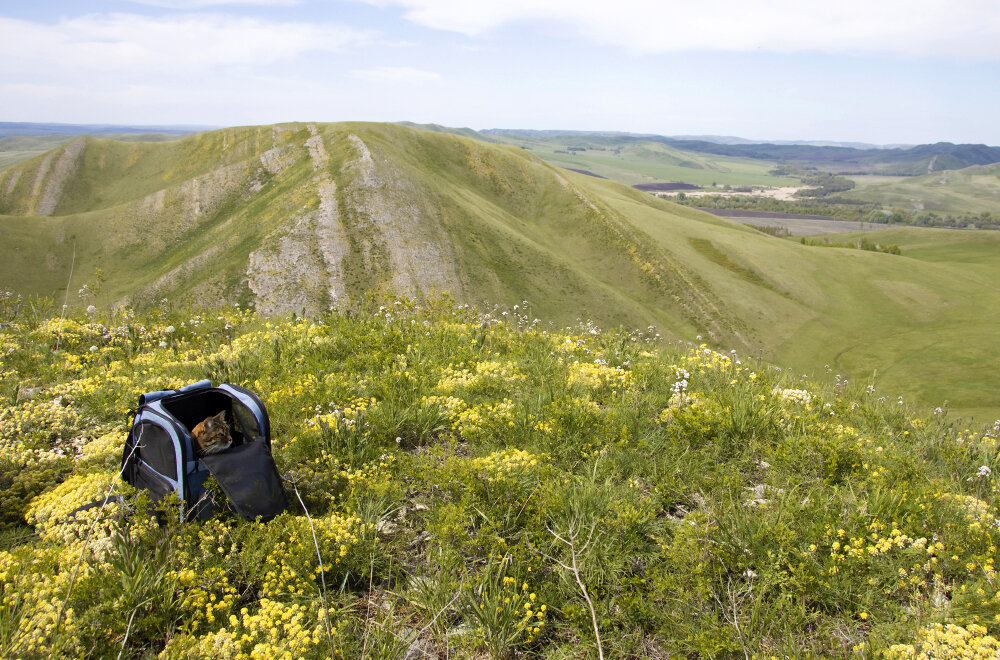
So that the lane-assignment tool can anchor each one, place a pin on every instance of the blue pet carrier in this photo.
(159, 454)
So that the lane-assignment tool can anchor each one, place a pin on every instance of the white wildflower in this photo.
(802, 397)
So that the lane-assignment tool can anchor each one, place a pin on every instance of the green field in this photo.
(15, 150)
(919, 322)
(970, 190)
(634, 162)
(264, 217)
(18, 149)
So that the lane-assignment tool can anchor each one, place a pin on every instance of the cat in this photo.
(211, 435)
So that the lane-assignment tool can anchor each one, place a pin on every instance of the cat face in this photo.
(211, 435)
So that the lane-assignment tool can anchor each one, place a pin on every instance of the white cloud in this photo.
(963, 29)
(396, 74)
(198, 4)
(141, 45)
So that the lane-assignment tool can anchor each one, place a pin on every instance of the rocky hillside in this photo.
(295, 217)
(308, 217)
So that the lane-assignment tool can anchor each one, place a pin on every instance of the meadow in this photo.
(490, 224)
(970, 190)
(634, 162)
(17, 149)
(14, 150)
(808, 226)
(479, 483)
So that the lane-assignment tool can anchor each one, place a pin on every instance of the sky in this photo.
(875, 71)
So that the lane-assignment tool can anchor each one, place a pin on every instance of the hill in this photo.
(918, 159)
(17, 149)
(637, 161)
(467, 484)
(438, 128)
(909, 161)
(972, 189)
(306, 217)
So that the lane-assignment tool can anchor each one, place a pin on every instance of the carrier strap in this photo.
(92, 505)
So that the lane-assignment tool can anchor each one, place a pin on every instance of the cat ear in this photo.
(221, 417)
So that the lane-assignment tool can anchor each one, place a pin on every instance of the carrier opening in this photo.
(190, 409)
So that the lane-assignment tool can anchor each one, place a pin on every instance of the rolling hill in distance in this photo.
(837, 158)
(975, 189)
(298, 217)
(889, 175)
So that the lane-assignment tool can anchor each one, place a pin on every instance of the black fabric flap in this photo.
(249, 478)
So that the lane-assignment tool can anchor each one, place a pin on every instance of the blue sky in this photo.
(880, 71)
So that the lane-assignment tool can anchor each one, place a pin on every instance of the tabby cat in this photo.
(212, 435)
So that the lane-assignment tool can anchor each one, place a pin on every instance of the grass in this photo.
(494, 224)
(970, 190)
(809, 226)
(708, 250)
(14, 150)
(634, 162)
(569, 494)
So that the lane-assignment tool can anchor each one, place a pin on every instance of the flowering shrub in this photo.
(68, 333)
(486, 420)
(465, 482)
(41, 425)
(598, 375)
(801, 397)
(950, 641)
(275, 630)
(489, 377)
(32, 595)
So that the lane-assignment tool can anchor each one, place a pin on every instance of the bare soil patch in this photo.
(785, 193)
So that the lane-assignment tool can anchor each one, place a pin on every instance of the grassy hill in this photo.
(970, 190)
(635, 160)
(308, 217)
(17, 149)
(471, 485)
(14, 150)
(912, 160)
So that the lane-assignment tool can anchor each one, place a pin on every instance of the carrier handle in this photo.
(150, 397)
(201, 384)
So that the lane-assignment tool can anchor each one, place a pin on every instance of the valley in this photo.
(304, 217)
(701, 362)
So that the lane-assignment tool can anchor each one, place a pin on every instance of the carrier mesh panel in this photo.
(245, 423)
(156, 449)
(247, 475)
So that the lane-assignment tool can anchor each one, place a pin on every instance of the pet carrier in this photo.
(160, 453)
